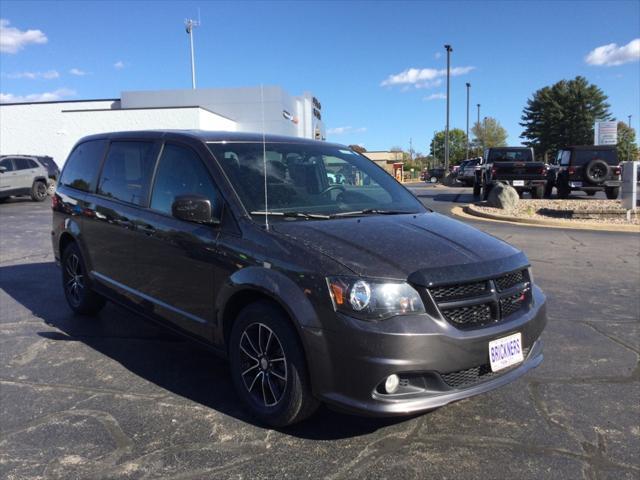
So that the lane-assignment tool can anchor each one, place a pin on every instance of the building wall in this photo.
(53, 128)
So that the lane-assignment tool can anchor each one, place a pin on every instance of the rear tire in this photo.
(548, 189)
(590, 193)
(563, 190)
(612, 192)
(537, 192)
(80, 297)
(476, 189)
(38, 191)
(268, 366)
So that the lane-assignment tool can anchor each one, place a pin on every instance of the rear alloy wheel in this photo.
(38, 191)
(612, 192)
(79, 296)
(268, 366)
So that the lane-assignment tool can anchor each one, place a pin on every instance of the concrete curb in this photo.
(469, 212)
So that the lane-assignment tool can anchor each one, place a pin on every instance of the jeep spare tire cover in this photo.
(596, 171)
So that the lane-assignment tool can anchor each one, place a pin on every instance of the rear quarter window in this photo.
(81, 170)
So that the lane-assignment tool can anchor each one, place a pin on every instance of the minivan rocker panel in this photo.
(348, 293)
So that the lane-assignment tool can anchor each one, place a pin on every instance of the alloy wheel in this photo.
(74, 279)
(263, 364)
(41, 191)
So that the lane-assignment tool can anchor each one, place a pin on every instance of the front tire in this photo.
(563, 190)
(268, 367)
(79, 295)
(38, 191)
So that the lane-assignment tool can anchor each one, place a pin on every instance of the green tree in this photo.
(627, 147)
(489, 133)
(457, 146)
(358, 148)
(563, 114)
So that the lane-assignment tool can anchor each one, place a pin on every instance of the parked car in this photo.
(23, 175)
(515, 166)
(297, 286)
(588, 168)
(435, 174)
(468, 172)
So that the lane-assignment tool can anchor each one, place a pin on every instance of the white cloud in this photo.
(37, 97)
(77, 72)
(48, 75)
(119, 65)
(347, 129)
(436, 96)
(421, 77)
(12, 40)
(612, 55)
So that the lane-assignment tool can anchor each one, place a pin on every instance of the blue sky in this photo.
(353, 56)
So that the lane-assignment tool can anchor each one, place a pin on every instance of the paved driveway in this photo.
(117, 397)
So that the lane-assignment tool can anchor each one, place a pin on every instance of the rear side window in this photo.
(7, 164)
(32, 163)
(127, 171)
(81, 170)
(180, 172)
(21, 163)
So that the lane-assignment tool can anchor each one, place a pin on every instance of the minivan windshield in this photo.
(310, 181)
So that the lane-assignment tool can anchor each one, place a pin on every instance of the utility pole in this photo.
(190, 25)
(468, 87)
(629, 121)
(484, 133)
(446, 131)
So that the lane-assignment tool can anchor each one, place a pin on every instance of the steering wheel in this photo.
(333, 187)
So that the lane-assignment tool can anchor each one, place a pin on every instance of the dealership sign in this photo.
(606, 133)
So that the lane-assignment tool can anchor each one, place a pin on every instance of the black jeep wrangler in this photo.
(588, 168)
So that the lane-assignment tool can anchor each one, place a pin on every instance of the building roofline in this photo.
(146, 108)
(63, 101)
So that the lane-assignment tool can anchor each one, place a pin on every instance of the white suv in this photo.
(21, 175)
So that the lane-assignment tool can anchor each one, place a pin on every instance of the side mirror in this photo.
(194, 208)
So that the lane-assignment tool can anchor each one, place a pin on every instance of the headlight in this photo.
(372, 300)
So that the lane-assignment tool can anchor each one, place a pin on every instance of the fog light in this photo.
(392, 383)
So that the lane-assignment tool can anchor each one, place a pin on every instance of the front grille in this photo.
(509, 280)
(477, 304)
(512, 304)
(470, 316)
(452, 292)
(474, 375)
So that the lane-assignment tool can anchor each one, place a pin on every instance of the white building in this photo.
(52, 128)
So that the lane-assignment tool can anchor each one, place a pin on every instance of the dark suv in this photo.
(588, 168)
(299, 286)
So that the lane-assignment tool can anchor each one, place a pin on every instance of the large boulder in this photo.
(503, 196)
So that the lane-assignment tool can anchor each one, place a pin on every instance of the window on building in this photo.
(81, 169)
(127, 171)
(181, 172)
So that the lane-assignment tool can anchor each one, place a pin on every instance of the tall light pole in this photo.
(446, 131)
(629, 121)
(478, 123)
(468, 87)
(189, 26)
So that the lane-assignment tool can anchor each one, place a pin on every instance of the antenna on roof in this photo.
(189, 26)
(264, 163)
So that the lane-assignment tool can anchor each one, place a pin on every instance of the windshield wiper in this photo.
(368, 211)
(293, 214)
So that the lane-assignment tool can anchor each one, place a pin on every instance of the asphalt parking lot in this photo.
(117, 397)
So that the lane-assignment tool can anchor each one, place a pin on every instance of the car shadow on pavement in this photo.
(154, 353)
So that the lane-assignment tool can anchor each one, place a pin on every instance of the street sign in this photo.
(606, 133)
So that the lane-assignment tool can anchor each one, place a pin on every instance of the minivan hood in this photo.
(426, 249)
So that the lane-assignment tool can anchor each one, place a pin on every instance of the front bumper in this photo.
(360, 358)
